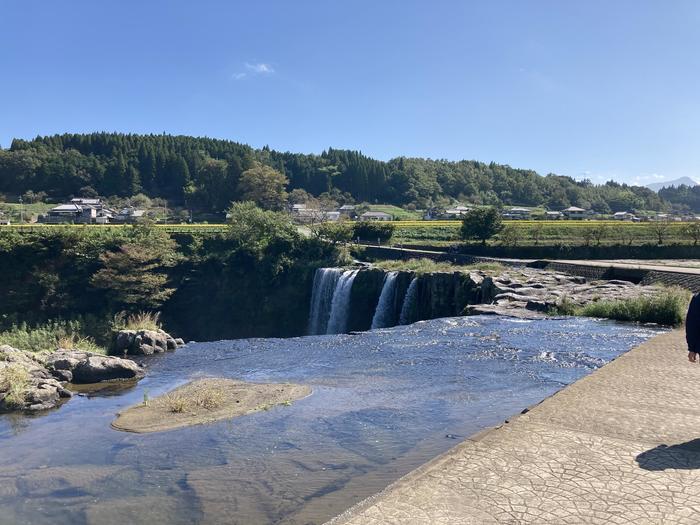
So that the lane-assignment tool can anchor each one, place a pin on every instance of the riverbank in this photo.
(618, 446)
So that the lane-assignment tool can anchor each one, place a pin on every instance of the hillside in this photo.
(204, 173)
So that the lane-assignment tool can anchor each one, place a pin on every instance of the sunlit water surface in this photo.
(383, 403)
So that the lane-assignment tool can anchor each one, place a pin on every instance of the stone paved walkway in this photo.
(619, 446)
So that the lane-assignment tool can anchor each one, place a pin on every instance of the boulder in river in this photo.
(25, 384)
(145, 342)
(86, 367)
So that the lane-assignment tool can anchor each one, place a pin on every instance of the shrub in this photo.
(667, 307)
(373, 230)
(333, 232)
(49, 337)
(428, 266)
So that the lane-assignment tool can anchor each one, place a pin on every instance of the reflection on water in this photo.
(383, 403)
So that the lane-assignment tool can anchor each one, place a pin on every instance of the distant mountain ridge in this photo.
(682, 181)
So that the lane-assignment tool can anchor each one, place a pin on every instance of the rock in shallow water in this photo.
(85, 367)
(25, 384)
(145, 342)
(32, 382)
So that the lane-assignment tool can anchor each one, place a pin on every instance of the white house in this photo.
(517, 214)
(457, 212)
(572, 212)
(129, 214)
(553, 215)
(347, 210)
(623, 216)
(314, 215)
(83, 211)
(375, 216)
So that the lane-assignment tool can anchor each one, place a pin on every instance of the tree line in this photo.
(208, 174)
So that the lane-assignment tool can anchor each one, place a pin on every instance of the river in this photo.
(383, 403)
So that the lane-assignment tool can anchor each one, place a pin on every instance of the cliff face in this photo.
(436, 294)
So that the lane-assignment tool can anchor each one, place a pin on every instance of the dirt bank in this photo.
(206, 400)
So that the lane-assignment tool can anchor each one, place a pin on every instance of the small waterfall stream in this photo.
(340, 305)
(408, 301)
(325, 282)
(384, 316)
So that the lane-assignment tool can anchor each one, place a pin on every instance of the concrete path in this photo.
(619, 446)
(632, 265)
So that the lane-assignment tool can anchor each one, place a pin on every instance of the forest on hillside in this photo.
(205, 174)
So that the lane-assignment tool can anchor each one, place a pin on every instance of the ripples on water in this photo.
(384, 402)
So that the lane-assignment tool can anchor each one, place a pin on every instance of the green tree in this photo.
(213, 190)
(333, 232)
(264, 186)
(600, 232)
(537, 232)
(481, 224)
(258, 231)
(135, 274)
(660, 229)
(693, 231)
(373, 231)
(509, 236)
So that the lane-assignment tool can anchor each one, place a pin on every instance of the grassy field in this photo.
(437, 233)
(399, 214)
(13, 211)
(552, 232)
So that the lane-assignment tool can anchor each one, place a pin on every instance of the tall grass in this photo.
(14, 379)
(428, 265)
(49, 336)
(668, 307)
(136, 321)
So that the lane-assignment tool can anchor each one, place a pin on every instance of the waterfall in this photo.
(408, 301)
(325, 281)
(384, 313)
(340, 305)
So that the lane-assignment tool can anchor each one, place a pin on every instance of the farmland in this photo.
(571, 233)
(516, 233)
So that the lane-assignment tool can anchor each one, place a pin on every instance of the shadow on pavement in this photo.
(682, 456)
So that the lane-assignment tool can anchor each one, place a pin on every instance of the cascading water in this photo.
(408, 301)
(340, 305)
(384, 313)
(325, 282)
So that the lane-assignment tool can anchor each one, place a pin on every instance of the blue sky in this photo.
(597, 88)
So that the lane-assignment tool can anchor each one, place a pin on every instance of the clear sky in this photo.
(596, 88)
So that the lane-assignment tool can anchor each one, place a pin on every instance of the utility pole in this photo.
(21, 210)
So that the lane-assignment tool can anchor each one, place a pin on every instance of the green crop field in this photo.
(440, 233)
(399, 214)
(555, 232)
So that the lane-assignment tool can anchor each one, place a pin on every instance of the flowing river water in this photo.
(383, 403)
